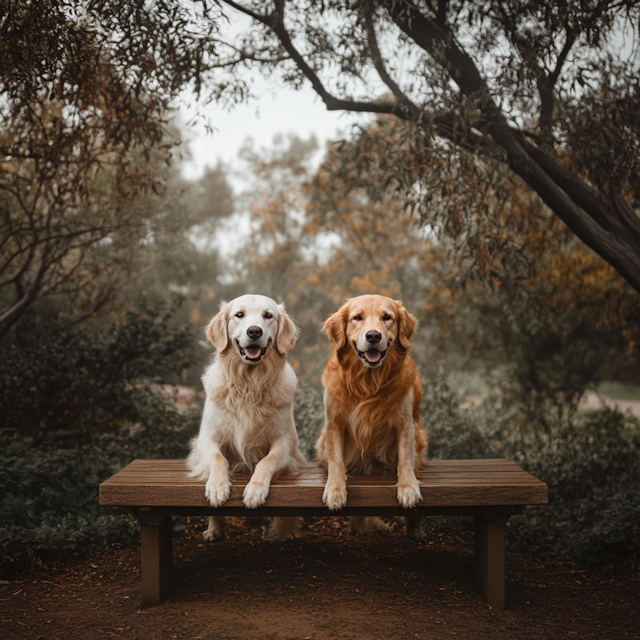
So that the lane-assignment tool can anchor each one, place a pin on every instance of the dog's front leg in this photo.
(335, 491)
(256, 492)
(408, 487)
(218, 487)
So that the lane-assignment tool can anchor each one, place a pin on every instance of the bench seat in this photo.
(489, 490)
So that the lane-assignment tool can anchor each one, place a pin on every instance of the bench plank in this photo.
(166, 483)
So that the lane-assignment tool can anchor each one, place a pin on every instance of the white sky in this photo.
(273, 111)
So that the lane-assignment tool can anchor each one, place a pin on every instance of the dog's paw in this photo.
(417, 533)
(359, 525)
(414, 528)
(335, 496)
(255, 494)
(213, 535)
(409, 494)
(217, 493)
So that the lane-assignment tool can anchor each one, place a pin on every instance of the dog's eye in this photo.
(239, 314)
(358, 317)
(268, 316)
(386, 317)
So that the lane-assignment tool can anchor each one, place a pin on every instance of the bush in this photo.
(88, 412)
(590, 465)
(587, 465)
(618, 529)
(54, 376)
(454, 431)
(50, 504)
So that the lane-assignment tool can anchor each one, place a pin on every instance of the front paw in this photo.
(255, 494)
(217, 493)
(409, 494)
(335, 496)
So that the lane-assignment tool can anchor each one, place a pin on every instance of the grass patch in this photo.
(620, 390)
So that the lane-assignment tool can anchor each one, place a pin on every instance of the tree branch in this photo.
(256, 16)
(378, 62)
(616, 248)
(274, 21)
(562, 56)
(592, 217)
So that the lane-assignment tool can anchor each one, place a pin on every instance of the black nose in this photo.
(373, 337)
(254, 332)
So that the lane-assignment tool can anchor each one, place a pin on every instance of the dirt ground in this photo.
(323, 585)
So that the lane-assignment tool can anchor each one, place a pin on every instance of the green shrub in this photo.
(586, 464)
(589, 463)
(454, 431)
(54, 376)
(80, 400)
(618, 528)
(49, 488)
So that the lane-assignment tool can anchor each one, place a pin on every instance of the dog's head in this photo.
(371, 326)
(251, 325)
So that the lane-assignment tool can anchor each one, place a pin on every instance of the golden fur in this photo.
(372, 410)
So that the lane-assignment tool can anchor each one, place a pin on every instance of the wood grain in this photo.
(444, 483)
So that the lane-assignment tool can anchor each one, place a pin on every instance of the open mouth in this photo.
(252, 352)
(372, 357)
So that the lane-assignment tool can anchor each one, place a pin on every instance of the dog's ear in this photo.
(407, 325)
(217, 330)
(287, 331)
(335, 328)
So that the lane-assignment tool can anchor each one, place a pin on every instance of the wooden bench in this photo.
(489, 490)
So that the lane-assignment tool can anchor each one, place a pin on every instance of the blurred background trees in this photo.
(86, 95)
(111, 262)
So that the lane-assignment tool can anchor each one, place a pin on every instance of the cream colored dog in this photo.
(247, 423)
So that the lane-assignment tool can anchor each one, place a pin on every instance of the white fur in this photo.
(247, 422)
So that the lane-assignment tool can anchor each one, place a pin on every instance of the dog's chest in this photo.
(377, 416)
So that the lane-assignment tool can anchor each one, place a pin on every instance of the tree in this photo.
(86, 91)
(76, 250)
(579, 322)
(512, 290)
(374, 247)
(313, 239)
(550, 90)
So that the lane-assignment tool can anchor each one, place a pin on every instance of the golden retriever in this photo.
(247, 422)
(372, 400)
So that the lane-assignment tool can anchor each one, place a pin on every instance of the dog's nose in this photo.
(373, 337)
(254, 332)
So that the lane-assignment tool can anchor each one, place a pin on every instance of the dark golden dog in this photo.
(372, 400)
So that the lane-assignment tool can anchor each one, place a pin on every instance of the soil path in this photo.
(592, 400)
(323, 585)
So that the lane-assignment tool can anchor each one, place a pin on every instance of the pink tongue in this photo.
(253, 352)
(373, 355)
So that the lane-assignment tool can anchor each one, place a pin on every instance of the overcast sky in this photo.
(272, 112)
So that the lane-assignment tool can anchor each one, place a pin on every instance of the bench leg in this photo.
(489, 558)
(157, 560)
